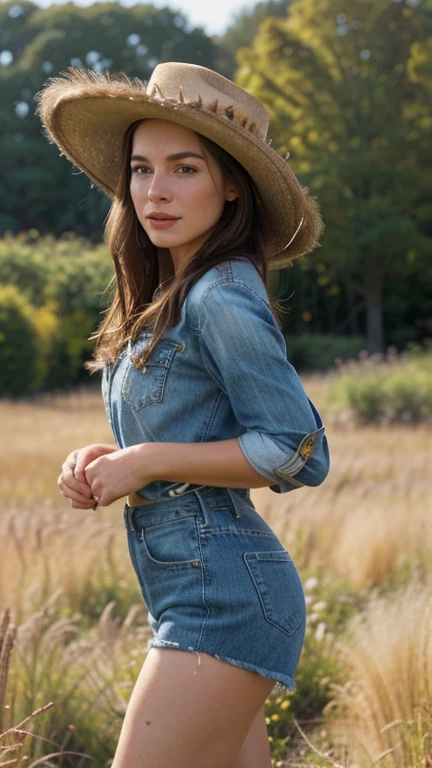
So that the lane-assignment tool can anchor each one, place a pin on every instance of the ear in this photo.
(231, 194)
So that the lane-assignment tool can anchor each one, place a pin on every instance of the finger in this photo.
(71, 467)
(84, 458)
(67, 480)
(104, 499)
(74, 495)
(71, 460)
(72, 456)
(77, 505)
(71, 476)
(67, 472)
(79, 471)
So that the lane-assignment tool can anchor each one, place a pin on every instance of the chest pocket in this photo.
(146, 385)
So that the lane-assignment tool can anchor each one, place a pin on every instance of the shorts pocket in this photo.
(174, 544)
(279, 588)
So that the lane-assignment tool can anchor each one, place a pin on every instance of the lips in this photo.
(162, 216)
(159, 220)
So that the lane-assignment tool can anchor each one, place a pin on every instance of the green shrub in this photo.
(25, 265)
(87, 673)
(62, 282)
(314, 352)
(20, 368)
(329, 607)
(387, 389)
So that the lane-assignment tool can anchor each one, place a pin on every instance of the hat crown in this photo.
(191, 83)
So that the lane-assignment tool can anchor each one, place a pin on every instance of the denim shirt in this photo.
(220, 373)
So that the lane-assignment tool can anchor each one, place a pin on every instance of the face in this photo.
(177, 188)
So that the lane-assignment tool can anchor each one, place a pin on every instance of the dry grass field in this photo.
(67, 579)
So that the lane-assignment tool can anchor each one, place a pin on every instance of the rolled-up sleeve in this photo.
(244, 350)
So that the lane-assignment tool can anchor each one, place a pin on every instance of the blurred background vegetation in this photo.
(348, 84)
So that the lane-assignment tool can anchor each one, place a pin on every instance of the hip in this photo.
(213, 551)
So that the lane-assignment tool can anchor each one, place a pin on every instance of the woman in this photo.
(202, 401)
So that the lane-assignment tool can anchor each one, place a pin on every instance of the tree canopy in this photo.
(39, 188)
(348, 88)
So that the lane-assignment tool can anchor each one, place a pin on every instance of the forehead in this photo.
(158, 132)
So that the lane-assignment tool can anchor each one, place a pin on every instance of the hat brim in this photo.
(89, 129)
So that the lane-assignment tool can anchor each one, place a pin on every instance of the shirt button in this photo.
(143, 370)
(196, 564)
(180, 347)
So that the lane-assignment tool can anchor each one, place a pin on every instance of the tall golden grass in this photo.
(371, 516)
(13, 738)
(62, 569)
(388, 653)
(35, 437)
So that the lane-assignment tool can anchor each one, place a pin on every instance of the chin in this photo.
(161, 240)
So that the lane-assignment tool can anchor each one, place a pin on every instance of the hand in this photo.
(72, 480)
(117, 474)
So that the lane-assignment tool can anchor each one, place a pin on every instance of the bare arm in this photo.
(221, 463)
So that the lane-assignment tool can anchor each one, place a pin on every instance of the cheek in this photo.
(209, 203)
(135, 190)
(138, 196)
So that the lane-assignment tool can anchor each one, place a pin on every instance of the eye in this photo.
(186, 170)
(139, 168)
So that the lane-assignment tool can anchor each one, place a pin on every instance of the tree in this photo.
(348, 88)
(39, 188)
(244, 28)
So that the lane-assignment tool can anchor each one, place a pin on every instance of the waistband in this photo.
(135, 500)
(195, 502)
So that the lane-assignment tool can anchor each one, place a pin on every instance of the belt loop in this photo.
(203, 506)
(232, 497)
(128, 518)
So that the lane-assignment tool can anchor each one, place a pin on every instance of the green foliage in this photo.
(245, 26)
(87, 674)
(19, 370)
(60, 286)
(329, 607)
(348, 88)
(315, 352)
(39, 188)
(387, 390)
(320, 670)
(25, 266)
(107, 582)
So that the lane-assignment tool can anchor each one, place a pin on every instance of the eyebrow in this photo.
(170, 158)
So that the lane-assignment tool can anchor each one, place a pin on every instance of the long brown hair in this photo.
(240, 232)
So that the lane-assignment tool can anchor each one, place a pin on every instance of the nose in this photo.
(159, 188)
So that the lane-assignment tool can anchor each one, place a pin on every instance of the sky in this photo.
(214, 15)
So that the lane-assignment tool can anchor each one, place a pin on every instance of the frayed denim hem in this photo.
(282, 682)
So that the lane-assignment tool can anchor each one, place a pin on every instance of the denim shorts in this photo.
(215, 578)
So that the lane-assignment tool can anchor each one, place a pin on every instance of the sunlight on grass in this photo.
(362, 542)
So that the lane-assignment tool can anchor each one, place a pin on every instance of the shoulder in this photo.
(230, 280)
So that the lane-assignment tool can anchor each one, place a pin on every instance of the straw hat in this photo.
(86, 113)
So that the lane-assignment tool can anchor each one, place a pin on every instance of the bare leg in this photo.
(189, 709)
(255, 752)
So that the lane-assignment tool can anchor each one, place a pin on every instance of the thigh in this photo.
(255, 750)
(188, 708)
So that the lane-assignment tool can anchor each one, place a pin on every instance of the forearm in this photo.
(220, 463)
